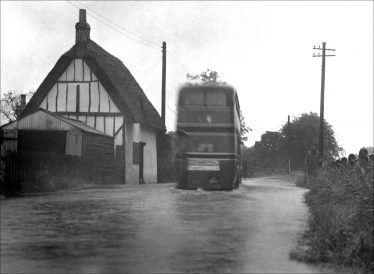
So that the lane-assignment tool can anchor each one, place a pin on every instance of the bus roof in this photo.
(211, 86)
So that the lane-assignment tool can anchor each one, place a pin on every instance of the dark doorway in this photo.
(141, 162)
(42, 140)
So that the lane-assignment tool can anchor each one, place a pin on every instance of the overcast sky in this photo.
(264, 49)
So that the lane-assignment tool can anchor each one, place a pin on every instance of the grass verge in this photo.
(340, 229)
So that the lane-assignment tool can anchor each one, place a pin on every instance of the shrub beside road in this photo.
(340, 229)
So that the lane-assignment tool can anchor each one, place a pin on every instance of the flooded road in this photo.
(155, 228)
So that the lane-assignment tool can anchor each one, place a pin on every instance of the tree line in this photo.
(292, 142)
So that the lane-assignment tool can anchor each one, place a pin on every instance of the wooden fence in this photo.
(47, 171)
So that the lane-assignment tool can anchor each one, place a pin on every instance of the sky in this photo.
(263, 48)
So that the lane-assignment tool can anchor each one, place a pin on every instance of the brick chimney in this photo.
(82, 28)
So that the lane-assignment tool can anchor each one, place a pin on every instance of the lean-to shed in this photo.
(45, 132)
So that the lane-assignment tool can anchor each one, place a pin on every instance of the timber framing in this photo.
(89, 113)
(77, 82)
(115, 78)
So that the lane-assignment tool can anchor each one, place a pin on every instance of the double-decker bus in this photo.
(208, 128)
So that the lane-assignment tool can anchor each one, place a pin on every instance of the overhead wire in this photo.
(119, 31)
(131, 35)
(180, 63)
(173, 111)
(148, 70)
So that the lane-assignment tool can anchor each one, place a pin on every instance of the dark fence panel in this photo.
(46, 171)
(99, 150)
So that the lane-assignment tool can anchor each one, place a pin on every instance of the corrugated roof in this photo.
(115, 77)
(76, 123)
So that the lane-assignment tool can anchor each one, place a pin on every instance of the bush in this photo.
(342, 218)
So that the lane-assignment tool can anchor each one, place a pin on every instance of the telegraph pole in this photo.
(163, 85)
(322, 103)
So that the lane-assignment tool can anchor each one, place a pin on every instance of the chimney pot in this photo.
(82, 16)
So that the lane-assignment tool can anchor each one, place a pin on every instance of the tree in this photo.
(303, 133)
(244, 129)
(11, 105)
(273, 148)
(270, 149)
(209, 77)
(206, 77)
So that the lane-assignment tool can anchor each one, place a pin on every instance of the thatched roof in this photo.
(114, 76)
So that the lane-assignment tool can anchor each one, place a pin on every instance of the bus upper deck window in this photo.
(192, 99)
(216, 99)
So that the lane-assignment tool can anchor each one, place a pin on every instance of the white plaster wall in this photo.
(136, 132)
(118, 139)
(100, 123)
(132, 171)
(70, 72)
(78, 69)
(104, 99)
(91, 121)
(61, 98)
(72, 97)
(87, 72)
(63, 76)
(76, 72)
(95, 96)
(44, 103)
(51, 103)
(109, 125)
(83, 97)
(148, 136)
(118, 122)
(141, 133)
(82, 118)
(93, 76)
(113, 106)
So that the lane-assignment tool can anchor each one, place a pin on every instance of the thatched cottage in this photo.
(91, 85)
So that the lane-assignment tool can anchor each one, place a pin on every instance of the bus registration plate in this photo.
(204, 165)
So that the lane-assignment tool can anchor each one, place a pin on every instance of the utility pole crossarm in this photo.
(319, 55)
(322, 48)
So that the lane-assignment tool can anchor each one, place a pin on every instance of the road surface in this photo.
(156, 228)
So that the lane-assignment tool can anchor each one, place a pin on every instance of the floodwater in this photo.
(156, 228)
